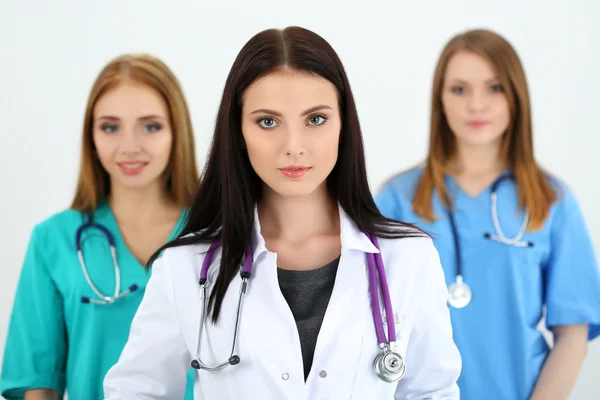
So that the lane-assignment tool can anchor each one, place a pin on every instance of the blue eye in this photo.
(316, 120)
(151, 128)
(267, 123)
(109, 128)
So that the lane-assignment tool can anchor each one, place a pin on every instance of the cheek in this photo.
(260, 151)
(452, 110)
(504, 112)
(160, 146)
(262, 146)
(328, 148)
(263, 157)
(105, 147)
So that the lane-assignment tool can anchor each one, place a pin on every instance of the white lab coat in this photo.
(164, 333)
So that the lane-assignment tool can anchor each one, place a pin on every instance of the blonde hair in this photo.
(181, 173)
(535, 191)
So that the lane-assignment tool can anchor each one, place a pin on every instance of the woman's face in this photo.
(132, 135)
(474, 101)
(291, 126)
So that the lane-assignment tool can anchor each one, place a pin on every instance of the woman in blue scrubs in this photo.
(511, 237)
(137, 177)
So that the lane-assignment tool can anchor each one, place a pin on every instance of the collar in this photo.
(102, 213)
(351, 236)
(453, 187)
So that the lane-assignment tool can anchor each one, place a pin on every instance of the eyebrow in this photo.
(278, 114)
(491, 80)
(144, 118)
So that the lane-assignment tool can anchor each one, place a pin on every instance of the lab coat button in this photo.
(323, 373)
(285, 376)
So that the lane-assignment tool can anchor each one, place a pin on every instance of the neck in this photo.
(477, 161)
(140, 205)
(296, 219)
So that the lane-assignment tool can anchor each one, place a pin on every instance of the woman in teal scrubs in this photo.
(512, 239)
(138, 174)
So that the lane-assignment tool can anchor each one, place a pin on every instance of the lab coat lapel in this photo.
(267, 326)
(350, 288)
(269, 333)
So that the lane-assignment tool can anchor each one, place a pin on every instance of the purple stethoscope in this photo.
(388, 364)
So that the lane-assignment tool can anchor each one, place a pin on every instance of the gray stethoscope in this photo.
(104, 299)
(459, 293)
(388, 364)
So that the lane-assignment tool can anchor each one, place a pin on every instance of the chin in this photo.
(294, 189)
(135, 182)
(481, 138)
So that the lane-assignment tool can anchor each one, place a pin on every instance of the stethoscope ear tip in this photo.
(133, 287)
(195, 364)
(85, 300)
(234, 360)
(487, 235)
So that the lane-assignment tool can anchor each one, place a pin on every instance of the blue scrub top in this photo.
(54, 340)
(502, 350)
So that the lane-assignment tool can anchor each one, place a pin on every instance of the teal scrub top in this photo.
(54, 340)
(502, 350)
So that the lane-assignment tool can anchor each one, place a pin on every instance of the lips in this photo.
(294, 171)
(132, 167)
(478, 124)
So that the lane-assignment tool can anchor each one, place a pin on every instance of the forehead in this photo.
(131, 99)
(290, 91)
(470, 67)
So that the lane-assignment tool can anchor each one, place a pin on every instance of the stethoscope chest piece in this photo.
(459, 294)
(389, 366)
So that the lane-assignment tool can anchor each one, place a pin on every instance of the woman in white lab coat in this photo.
(285, 195)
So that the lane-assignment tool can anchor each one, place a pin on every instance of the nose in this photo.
(477, 101)
(294, 145)
(130, 142)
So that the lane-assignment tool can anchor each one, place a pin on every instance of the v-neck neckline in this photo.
(104, 208)
(455, 189)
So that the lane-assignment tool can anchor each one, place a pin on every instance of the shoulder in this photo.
(396, 194)
(410, 247)
(185, 260)
(566, 201)
(186, 251)
(403, 184)
(414, 272)
(63, 222)
(409, 256)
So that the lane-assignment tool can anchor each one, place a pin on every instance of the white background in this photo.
(50, 53)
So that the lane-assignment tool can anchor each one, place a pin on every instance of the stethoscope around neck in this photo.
(102, 298)
(459, 293)
(388, 364)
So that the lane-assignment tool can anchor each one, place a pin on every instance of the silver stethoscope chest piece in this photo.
(459, 293)
(389, 366)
